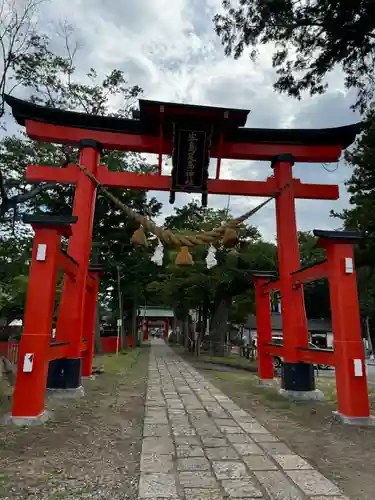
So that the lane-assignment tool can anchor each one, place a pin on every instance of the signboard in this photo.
(191, 158)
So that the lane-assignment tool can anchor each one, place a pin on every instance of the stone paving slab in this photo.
(199, 445)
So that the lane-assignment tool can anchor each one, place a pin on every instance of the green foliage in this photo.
(309, 39)
(14, 262)
(199, 288)
(317, 300)
(360, 216)
(51, 81)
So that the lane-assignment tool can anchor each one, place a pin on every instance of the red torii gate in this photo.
(167, 128)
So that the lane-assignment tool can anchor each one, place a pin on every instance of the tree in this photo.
(211, 291)
(19, 42)
(317, 299)
(360, 217)
(310, 39)
(52, 82)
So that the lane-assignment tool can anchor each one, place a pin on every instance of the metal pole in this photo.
(118, 336)
(120, 305)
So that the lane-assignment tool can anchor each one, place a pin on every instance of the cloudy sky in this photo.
(169, 48)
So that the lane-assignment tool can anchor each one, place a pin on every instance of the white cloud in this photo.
(171, 51)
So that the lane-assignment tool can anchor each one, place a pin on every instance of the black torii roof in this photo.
(147, 121)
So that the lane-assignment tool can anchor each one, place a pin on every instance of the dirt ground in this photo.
(91, 448)
(346, 455)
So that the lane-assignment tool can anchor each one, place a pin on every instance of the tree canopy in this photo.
(309, 40)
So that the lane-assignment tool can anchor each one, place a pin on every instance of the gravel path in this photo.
(198, 444)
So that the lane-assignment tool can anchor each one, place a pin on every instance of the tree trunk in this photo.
(204, 319)
(185, 331)
(134, 329)
(368, 335)
(98, 349)
(219, 324)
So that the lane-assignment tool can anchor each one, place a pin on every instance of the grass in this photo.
(246, 385)
(116, 364)
(231, 360)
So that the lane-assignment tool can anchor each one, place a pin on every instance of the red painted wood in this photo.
(131, 180)
(148, 144)
(264, 331)
(109, 344)
(352, 391)
(37, 328)
(292, 301)
(89, 325)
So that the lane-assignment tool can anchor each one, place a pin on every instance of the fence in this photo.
(10, 350)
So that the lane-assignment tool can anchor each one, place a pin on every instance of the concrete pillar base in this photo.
(315, 395)
(75, 393)
(27, 421)
(271, 382)
(358, 421)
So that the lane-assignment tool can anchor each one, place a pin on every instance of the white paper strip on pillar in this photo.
(358, 370)
(158, 256)
(41, 252)
(349, 265)
(211, 259)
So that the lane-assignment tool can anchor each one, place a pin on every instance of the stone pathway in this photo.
(198, 444)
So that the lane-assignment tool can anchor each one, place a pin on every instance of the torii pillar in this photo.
(297, 378)
(71, 317)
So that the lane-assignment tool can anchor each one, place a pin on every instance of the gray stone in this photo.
(303, 395)
(277, 485)
(276, 448)
(229, 469)
(190, 407)
(312, 482)
(356, 421)
(264, 438)
(183, 430)
(239, 413)
(272, 382)
(227, 422)
(231, 430)
(157, 430)
(222, 453)
(330, 498)
(189, 451)
(248, 449)
(154, 404)
(214, 442)
(157, 485)
(74, 393)
(193, 464)
(252, 427)
(241, 488)
(239, 438)
(218, 414)
(156, 420)
(201, 479)
(245, 420)
(41, 419)
(199, 494)
(161, 446)
(209, 431)
(259, 462)
(187, 441)
(291, 462)
(153, 462)
(176, 411)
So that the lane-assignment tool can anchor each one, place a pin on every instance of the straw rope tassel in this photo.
(174, 239)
